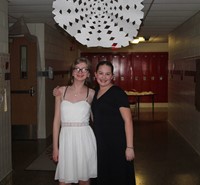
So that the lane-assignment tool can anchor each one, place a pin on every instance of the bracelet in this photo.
(129, 147)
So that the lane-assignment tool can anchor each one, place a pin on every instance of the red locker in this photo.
(142, 71)
(137, 71)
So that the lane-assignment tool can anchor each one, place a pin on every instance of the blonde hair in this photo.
(88, 81)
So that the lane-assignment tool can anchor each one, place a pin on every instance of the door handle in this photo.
(31, 91)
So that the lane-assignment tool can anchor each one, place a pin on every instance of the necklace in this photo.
(76, 91)
(76, 94)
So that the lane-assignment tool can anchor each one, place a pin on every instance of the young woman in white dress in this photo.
(74, 143)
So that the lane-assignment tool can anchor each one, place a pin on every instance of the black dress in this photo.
(113, 168)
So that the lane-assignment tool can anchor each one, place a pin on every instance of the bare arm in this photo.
(128, 121)
(56, 128)
(90, 99)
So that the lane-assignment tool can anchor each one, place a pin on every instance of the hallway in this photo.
(163, 157)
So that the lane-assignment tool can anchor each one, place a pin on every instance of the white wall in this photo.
(184, 49)
(38, 30)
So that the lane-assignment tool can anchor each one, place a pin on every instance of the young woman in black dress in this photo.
(113, 128)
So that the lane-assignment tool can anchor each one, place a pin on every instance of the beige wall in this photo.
(3, 26)
(5, 126)
(184, 49)
(60, 50)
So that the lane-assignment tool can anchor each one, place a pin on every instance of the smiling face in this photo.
(104, 75)
(80, 71)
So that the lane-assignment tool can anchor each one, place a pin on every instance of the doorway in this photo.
(23, 69)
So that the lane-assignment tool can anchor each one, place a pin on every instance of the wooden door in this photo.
(23, 68)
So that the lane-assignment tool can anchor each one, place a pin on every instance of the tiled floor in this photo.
(163, 157)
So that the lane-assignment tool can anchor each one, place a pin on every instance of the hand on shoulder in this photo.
(57, 91)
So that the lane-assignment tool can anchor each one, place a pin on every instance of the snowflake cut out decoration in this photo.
(104, 23)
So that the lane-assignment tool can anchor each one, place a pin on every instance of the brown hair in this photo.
(108, 63)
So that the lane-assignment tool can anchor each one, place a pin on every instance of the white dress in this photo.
(77, 144)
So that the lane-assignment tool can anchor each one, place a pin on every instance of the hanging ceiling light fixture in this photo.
(104, 23)
(137, 40)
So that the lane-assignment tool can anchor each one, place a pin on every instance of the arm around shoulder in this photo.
(57, 91)
(91, 95)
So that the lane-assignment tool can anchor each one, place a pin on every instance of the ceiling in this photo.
(160, 16)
